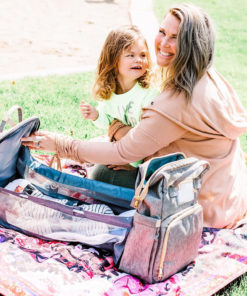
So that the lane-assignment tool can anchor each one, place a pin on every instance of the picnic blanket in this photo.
(31, 266)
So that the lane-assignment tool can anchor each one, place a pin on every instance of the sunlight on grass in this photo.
(55, 100)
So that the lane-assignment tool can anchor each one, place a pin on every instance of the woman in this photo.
(197, 113)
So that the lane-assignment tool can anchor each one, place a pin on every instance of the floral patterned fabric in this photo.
(30, 266)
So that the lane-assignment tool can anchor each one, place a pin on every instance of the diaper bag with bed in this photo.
(153, 230)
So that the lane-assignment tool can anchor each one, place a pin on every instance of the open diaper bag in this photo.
(153, 231)
(168, 222)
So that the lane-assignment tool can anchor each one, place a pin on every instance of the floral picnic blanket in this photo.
(31, 266)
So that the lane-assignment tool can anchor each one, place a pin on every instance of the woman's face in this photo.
(166, 40)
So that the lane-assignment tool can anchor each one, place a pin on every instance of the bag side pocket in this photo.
(141, 246)
(181, 234)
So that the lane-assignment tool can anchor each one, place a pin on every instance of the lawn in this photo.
(55, 100)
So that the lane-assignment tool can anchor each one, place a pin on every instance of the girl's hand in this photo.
(88, 111)
(124, 167)
(40, 140)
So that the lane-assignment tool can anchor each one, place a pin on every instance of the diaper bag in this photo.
(168, 222)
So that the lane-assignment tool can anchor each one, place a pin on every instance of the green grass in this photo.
(55, 100)
(236, 288)
(229, 18)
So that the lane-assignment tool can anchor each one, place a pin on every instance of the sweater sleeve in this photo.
(152, 93)
(154, 132)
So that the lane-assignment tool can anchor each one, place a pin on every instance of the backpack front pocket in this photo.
(179, 240)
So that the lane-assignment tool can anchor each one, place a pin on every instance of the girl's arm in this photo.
(117, 130)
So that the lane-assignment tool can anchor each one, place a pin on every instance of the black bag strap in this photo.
(7, 117)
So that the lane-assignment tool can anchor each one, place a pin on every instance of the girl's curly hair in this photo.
(117, 41)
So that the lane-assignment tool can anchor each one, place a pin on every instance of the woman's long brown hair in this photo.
(195, 49)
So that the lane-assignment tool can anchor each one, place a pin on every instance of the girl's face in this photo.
(133, 62)
(166, 40)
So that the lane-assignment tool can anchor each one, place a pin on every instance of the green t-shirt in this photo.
(125, 107)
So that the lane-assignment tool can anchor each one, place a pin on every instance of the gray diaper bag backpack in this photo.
(168, 222)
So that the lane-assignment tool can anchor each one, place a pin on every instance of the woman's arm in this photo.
(154, 132)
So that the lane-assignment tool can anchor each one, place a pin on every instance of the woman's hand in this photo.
(124, 167)
(41, 140)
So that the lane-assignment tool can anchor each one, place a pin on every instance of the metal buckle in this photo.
(137, 200)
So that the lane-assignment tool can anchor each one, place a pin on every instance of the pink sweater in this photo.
(208, 128)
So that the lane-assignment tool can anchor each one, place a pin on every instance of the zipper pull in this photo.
(160, 273)
(137, 200)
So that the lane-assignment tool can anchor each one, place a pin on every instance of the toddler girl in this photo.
(123, 79)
